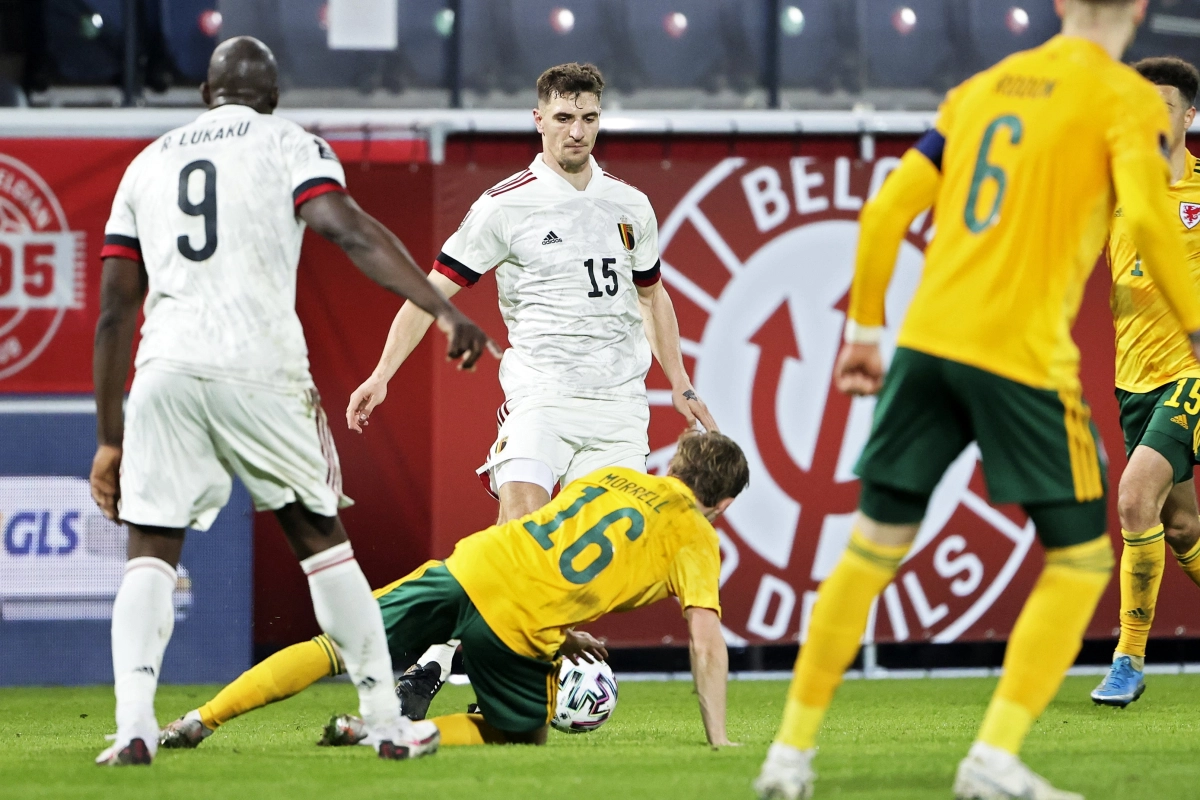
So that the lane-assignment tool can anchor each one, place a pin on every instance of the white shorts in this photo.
(570, 435)
(185, 436)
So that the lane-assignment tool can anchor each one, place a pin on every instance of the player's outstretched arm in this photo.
(662, 331)
(122, 288)
(907, 192)
(384, 259)
(710, 670)
(407, 331)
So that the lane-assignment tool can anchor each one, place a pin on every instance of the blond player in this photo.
(614, 540)
(1022, 170)
(1158, 388)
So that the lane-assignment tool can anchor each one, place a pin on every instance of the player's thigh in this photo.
(613, 433)
(280, 445)
(529, 429)
(421, 609)
(1038, 445)
(515, 693)
(919, 428)
(171, 476)
(1166, 420)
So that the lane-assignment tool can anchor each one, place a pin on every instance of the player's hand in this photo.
(363, 401)
(105, 479)
(859, 369)
(723, 743)
(581, 646)
(466, 340)
(688, 403)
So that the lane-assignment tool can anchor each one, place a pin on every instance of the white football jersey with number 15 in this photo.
(567, 266)
(211, 210)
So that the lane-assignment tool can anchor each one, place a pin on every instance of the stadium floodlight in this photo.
(791, 21)
(210, 22)
(562, 20)
(1017, 20)
(443, 22)
(675, 24)
(90, 25)
(904, 20)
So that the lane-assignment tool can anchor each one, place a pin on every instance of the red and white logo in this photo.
(759, 258)
(42, 266)
(1190, 214)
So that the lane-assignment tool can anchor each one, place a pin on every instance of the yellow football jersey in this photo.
(1021, 213)
(1152, 350)
(614, 540)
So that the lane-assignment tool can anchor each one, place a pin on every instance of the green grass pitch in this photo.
(883, 739)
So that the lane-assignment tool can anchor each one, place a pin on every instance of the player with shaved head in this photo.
(206, 229)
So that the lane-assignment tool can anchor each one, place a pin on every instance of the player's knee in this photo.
(1137, 506)
(1182, 531)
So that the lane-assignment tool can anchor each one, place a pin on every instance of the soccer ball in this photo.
(587, 696)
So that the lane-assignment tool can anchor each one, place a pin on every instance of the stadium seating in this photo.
(679, 42)
(907, 44)
(999, 29)
(550, 32)
(188, 45)
(84, 40)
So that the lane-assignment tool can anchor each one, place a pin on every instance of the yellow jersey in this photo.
(1031, 155)
(1152, 350)
(614, 540)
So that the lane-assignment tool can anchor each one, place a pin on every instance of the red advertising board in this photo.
(757, 238)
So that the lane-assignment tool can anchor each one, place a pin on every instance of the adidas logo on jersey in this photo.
(552, 238)
(1180, 419)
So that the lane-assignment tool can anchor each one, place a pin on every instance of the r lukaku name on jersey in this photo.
(202, 135)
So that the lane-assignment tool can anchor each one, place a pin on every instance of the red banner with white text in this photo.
(757, 239)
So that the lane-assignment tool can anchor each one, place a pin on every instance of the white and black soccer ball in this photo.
(587, 696)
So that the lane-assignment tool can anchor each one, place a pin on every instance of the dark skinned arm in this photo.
(383, 258)
(122, 288)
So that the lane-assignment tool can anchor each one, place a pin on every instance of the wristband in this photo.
(862, 334)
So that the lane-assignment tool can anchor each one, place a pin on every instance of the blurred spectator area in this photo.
(654, 53)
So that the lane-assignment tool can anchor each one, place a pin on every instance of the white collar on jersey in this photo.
(228, 110)
(538, 167)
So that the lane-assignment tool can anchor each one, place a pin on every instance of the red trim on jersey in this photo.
(452, 275)
(485, 478)
(456, 271)
(618, 180)
(120, 251)
(508, 182)
(518, 185)
(324, 567)
(325, 186)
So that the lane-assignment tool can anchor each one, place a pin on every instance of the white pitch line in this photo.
(688, 289)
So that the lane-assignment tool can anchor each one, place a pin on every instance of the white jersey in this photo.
(211, 209)
(567, 266)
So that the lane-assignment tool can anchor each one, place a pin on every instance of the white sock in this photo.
(142, 620)
(443, 654)
(1137, 662)
(350, 616)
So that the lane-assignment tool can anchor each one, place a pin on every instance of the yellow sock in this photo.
(1046, 639)
(1190, 562)
(835, 631)
(1142, 562)
(465, 729)
(276, 678)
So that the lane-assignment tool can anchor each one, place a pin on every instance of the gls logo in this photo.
(41, 533)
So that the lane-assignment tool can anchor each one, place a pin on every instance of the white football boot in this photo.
(989, 773)
(787, 774)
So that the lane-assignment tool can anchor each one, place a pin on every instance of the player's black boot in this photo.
(416, 689)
